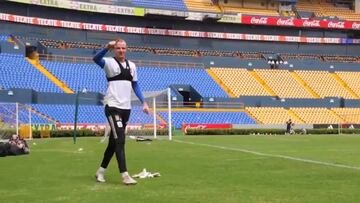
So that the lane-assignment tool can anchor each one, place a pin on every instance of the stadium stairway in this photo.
(303, 83)
(294, 115)
(50, 76)
(42, 115)
(343, 120)
(220, 83)
(262, 82)
(343, 83)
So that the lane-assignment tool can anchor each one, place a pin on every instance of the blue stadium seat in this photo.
(3, 37)
(179, 118)
(23, 74)
(90, 76)
(161, 4)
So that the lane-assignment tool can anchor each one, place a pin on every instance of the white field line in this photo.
(271, 155)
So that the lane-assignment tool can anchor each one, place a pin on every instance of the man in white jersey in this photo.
(121, 75)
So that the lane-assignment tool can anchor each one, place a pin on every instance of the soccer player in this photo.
(121, 75)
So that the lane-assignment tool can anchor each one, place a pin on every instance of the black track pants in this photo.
(117, 119)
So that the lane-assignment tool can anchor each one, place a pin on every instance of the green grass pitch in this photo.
(193, 169)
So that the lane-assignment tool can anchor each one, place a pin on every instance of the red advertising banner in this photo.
(199, 34)
(292, 22)
(186, 126)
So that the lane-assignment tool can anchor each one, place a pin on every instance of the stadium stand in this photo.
(78, 75)
(317, 115)
(352, 80)
(17, 72)
(251, 8)
(283, 84)
(181, 117)
(3, 37)
(91, 77)
(65, 113)
(350, 115)
(196, 77)
(325, 84)
(161, 4)
(313, 78)
(273, 115)
(325, 9)
(202, 5)
(240, 81)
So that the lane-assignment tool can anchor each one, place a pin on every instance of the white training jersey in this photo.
(118, 93)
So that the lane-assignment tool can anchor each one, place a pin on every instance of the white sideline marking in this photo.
(272, 155)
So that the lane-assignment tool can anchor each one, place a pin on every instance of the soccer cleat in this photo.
(100, 177)
(128, 180)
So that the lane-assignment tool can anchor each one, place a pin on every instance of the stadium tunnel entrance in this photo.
(191, 97)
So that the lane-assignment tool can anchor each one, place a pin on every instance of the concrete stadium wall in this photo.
(29, 96)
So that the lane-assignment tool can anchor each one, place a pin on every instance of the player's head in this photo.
(120, 49)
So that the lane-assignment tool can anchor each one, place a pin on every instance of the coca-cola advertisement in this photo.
(293, 22)
(311, 23)
(259, 20)
(355, 26)
(186, 126)
(285, 22)
(336, 25)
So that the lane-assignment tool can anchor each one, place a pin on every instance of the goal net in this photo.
(15, 118)
(157, 122)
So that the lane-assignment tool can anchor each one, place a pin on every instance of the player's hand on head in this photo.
(146, 108)
(111, 45)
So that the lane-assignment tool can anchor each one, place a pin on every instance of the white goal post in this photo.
(159, 122)
(15, 118)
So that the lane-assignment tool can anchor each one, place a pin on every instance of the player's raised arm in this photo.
(98, 58)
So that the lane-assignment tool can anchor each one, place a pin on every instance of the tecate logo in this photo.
(255, 20)
(311, 23)
(356, 26)
(336, 25)
(286, 22)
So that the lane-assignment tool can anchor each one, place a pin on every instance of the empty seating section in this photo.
(156, 78)
(325, 9)
(137, 116)
(202, 5)
(92, 77)
(8, 115)
(250, 11)
(65, 113)
(3, 37)
(161, 4)
(350, 115)
(324, 84)
(307, 5)
(352, 79)
(271, 115)
(19, 73)
(78, 76)
(237, 7)
(87, 114)
(317, 115)
(283, 84)
(240, 81)
(181, 117)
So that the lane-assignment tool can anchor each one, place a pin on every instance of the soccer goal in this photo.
(158, 122)
(15, 118)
